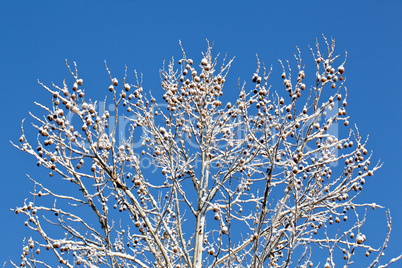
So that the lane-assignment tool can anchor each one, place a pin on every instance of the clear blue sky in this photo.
(37, 36)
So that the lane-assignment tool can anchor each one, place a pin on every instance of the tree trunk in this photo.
(199, 239)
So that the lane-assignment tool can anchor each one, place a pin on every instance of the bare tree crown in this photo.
(188, 181)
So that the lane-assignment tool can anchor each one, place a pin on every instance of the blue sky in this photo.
(37, 37)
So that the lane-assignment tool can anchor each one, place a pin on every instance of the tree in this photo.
(259, 182)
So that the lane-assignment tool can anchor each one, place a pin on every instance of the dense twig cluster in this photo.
(253, 183)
